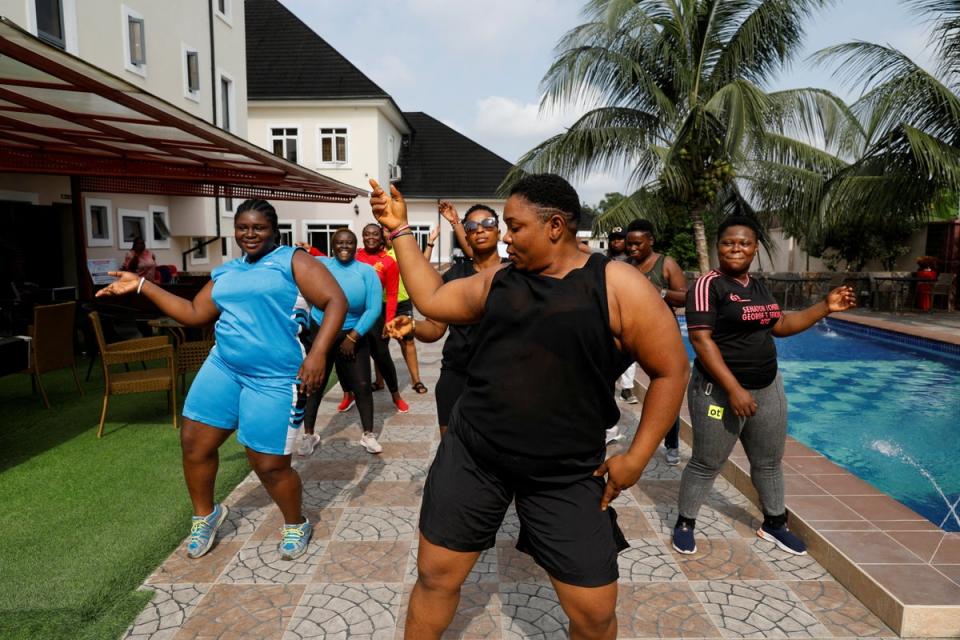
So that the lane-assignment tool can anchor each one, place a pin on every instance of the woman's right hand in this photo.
(449, 212)
(126, 282)
(389, 209)
(743, 403)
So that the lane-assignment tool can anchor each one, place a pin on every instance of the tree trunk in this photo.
(700, 239)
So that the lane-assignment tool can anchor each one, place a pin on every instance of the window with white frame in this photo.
(134, 42)
(222, 9)
(132, 224)
(191, 73)
(50, 25)
(99, 218)
(333, 145)
(422, 233)
(225, 247)
(320, 234)
(160, 227)
(199, 255)
(227, 111)
(284, 142)
(228, 205)
(285, 229)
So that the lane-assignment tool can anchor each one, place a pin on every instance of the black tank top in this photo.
(540, 379)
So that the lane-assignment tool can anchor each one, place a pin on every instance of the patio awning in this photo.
(60, 115)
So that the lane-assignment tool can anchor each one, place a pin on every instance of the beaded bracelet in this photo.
(396, 232)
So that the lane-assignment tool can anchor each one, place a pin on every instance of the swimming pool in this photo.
(888, 412)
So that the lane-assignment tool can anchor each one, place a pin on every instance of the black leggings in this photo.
(380, 350)
(353, 373)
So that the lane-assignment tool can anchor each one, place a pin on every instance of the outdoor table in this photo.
(171, 326)
(792, 285)
(902, 287)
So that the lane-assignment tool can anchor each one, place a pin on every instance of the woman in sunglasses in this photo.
(482, 228)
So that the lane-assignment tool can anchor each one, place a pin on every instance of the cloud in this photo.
(508, 117)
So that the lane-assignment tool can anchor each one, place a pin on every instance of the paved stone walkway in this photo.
(355, 579)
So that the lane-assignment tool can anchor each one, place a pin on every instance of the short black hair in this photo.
(644, 226)
(482, 207)
(739, 221)
(550, 191)
(373, 224)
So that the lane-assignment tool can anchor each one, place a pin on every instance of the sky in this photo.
(476, 65)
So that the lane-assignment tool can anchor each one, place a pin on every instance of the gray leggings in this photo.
(715, 431)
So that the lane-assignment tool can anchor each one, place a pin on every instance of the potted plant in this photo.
(927, 272)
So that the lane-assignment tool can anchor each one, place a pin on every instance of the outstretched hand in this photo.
(399, 327)
(449, 212)
(622, 473)
(126, 282)
(841, 299)
(389, 210)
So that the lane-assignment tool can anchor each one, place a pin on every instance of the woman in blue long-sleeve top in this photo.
(350, 352)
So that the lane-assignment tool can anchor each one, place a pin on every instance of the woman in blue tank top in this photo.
(257, 376)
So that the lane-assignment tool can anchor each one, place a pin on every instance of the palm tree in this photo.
(679, 84)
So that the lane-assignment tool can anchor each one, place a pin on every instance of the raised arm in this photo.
(449, 213)
(840, 299)
(646, 330)
(458, 302)
(431, 240)
(321, 290)
(198, 312)
(676, 295)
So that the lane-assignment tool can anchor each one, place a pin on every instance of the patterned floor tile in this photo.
(324, 522)
(339, 612)
(839, 610)
(166, 611)
(647, 560)
(259, 563)
(342, 450)
(633, 523)
(517, 566)
(242, 612)
(788, 566)
(412, 420)
(510, 528)
(321, 494)
(377, 523)
(384, 493)
(721, 559)
(314, 470)
(758, 610)
(246, 512)
(423, 432)
(363, 561)
(397, 470)
(477, 618)
(662, 610)
(406, 451)
(531, 612)
(663, 517)
(178, 568)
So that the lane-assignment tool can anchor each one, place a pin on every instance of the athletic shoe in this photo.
(307, 443)
(613, 434)
(401, 405)
(369, 442)
(203, 529)
(627, 396)
(346, 403)
(672, 456)
(683, 539)
(295, 538)
(783, 538)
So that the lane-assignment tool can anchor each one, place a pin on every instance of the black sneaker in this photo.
(783, 538)
(683, 539)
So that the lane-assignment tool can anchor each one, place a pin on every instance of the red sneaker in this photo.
(401, 405)
(346, 403)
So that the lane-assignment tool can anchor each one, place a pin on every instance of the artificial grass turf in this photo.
(84, 521)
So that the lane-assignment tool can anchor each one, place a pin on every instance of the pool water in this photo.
(889, 413)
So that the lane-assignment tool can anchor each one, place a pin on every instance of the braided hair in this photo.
(265, 209)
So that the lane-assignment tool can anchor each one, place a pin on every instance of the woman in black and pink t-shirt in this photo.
(735, 391)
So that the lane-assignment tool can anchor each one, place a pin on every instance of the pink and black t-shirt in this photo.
(742, 317)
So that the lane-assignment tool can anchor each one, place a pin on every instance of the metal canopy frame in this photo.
(60, 115)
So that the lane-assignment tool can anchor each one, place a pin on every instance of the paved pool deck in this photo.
(356, 577)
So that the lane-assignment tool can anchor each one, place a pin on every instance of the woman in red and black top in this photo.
(735, 391)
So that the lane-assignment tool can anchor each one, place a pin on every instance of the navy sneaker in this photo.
(783, 538)
(683, 539)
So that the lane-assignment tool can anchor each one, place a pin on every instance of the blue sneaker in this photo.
(783, 538)
(683, 540)
(295, 539)
(203, 529)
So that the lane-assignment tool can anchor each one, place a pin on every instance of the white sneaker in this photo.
(307, 443)
(369, 442)
(613, 434)
(673, 457)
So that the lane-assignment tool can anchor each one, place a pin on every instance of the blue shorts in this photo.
(266, 412)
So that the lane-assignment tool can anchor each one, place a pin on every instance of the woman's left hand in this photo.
(311, 372)
(841, 299)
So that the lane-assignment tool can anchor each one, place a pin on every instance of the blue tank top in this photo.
(262, 315)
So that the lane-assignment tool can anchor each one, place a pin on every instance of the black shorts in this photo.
(471, 484)
(448, 390)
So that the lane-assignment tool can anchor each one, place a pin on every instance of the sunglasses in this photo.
(472, 225)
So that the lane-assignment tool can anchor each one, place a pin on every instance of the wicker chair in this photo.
(52, 347)
(190, 357)
(942, 288)
(155, 379)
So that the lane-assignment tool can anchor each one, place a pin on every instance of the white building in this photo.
(310, 105)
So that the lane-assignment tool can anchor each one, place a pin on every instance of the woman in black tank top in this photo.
(555, 329)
